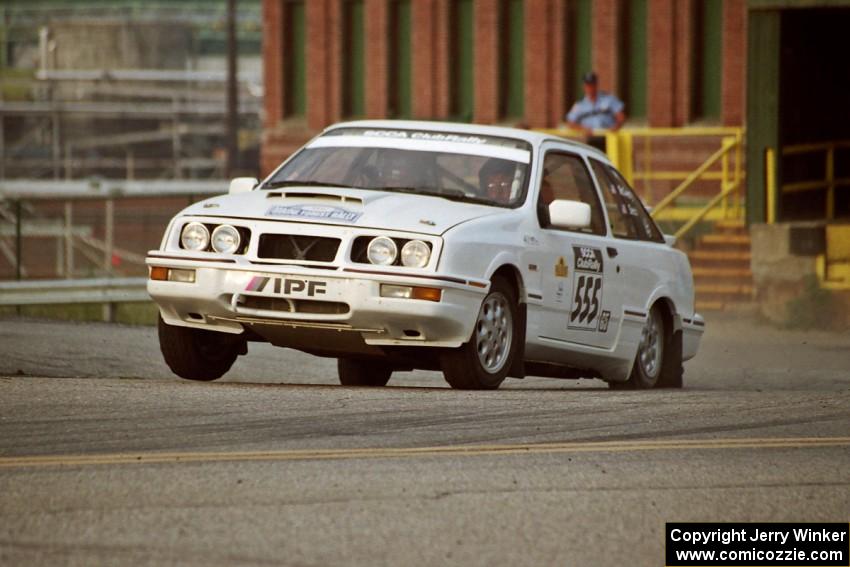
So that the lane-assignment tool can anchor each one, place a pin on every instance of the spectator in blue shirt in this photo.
(596, 111)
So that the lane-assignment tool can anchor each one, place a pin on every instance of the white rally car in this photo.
(483, 252)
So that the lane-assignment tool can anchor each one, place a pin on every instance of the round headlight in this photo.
(382, 251)
(195, 236)
(415, 254)
(225, 239)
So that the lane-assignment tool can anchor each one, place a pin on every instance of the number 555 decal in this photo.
(587, 289)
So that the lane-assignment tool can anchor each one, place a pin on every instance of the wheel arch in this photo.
(513, 276)
(672, 318)
(671, 372)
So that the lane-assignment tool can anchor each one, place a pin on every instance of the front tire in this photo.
(353, 372)
(483, 362)
(195, 354)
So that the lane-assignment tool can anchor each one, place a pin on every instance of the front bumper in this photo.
(227, 297)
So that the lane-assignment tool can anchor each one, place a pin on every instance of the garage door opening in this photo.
(798, 105)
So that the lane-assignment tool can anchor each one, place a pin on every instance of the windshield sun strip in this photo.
(483, 150)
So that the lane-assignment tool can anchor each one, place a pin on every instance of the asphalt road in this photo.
(105, 458)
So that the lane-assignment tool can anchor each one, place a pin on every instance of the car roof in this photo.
(530, 136)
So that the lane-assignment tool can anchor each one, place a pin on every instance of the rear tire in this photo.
(652, 355)
(672, 373)
(483, 362)
(354, 372)
(195, 354)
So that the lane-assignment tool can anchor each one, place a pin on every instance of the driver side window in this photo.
(566, 177)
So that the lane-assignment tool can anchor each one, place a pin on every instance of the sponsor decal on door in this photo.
(588, 281)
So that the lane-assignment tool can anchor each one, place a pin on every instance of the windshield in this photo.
(480, 169)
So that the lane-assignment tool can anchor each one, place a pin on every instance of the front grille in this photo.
(294, 305)
(298, 247)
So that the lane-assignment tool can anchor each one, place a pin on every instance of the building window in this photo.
(706, 63)
(578, 45)
(633, 57)
(399, 79)
(512, 68)
(295, 67)
(462, 60)
(353, 54)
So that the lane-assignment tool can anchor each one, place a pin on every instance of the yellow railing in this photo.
(833, 266)
(637, 165)
(729, 186)
(828, 181)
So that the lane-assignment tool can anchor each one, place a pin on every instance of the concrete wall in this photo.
(784, 266)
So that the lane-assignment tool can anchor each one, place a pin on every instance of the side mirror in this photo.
(242, 185)
(669, 240)
(569, 214)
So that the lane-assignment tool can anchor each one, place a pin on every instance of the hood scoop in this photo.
(301, 196)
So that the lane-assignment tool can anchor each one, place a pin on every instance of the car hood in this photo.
(349, 207)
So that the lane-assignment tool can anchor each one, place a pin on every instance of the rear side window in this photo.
(626, 212)
(634, 206)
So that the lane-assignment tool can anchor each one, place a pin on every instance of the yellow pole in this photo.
(738, 174)
(627, 160)
(724, 183)
(647, 167)
(830, 182)
(770, 181)
(612, 148)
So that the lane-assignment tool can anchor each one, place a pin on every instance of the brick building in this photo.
(674, 62)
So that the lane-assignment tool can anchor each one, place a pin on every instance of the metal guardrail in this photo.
(33, 189)
(124, 109)
(53, 292)
(19, 191)
(147, 75)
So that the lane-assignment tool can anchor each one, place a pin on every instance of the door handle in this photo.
(612, 252)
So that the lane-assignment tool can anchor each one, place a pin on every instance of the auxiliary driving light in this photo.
(382, 251)
(415, 254)
(226, 239)
(195, 236)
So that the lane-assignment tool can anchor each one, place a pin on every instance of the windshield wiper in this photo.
(447, 193)
(296, 183)
(401, 189)
(460, 195)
